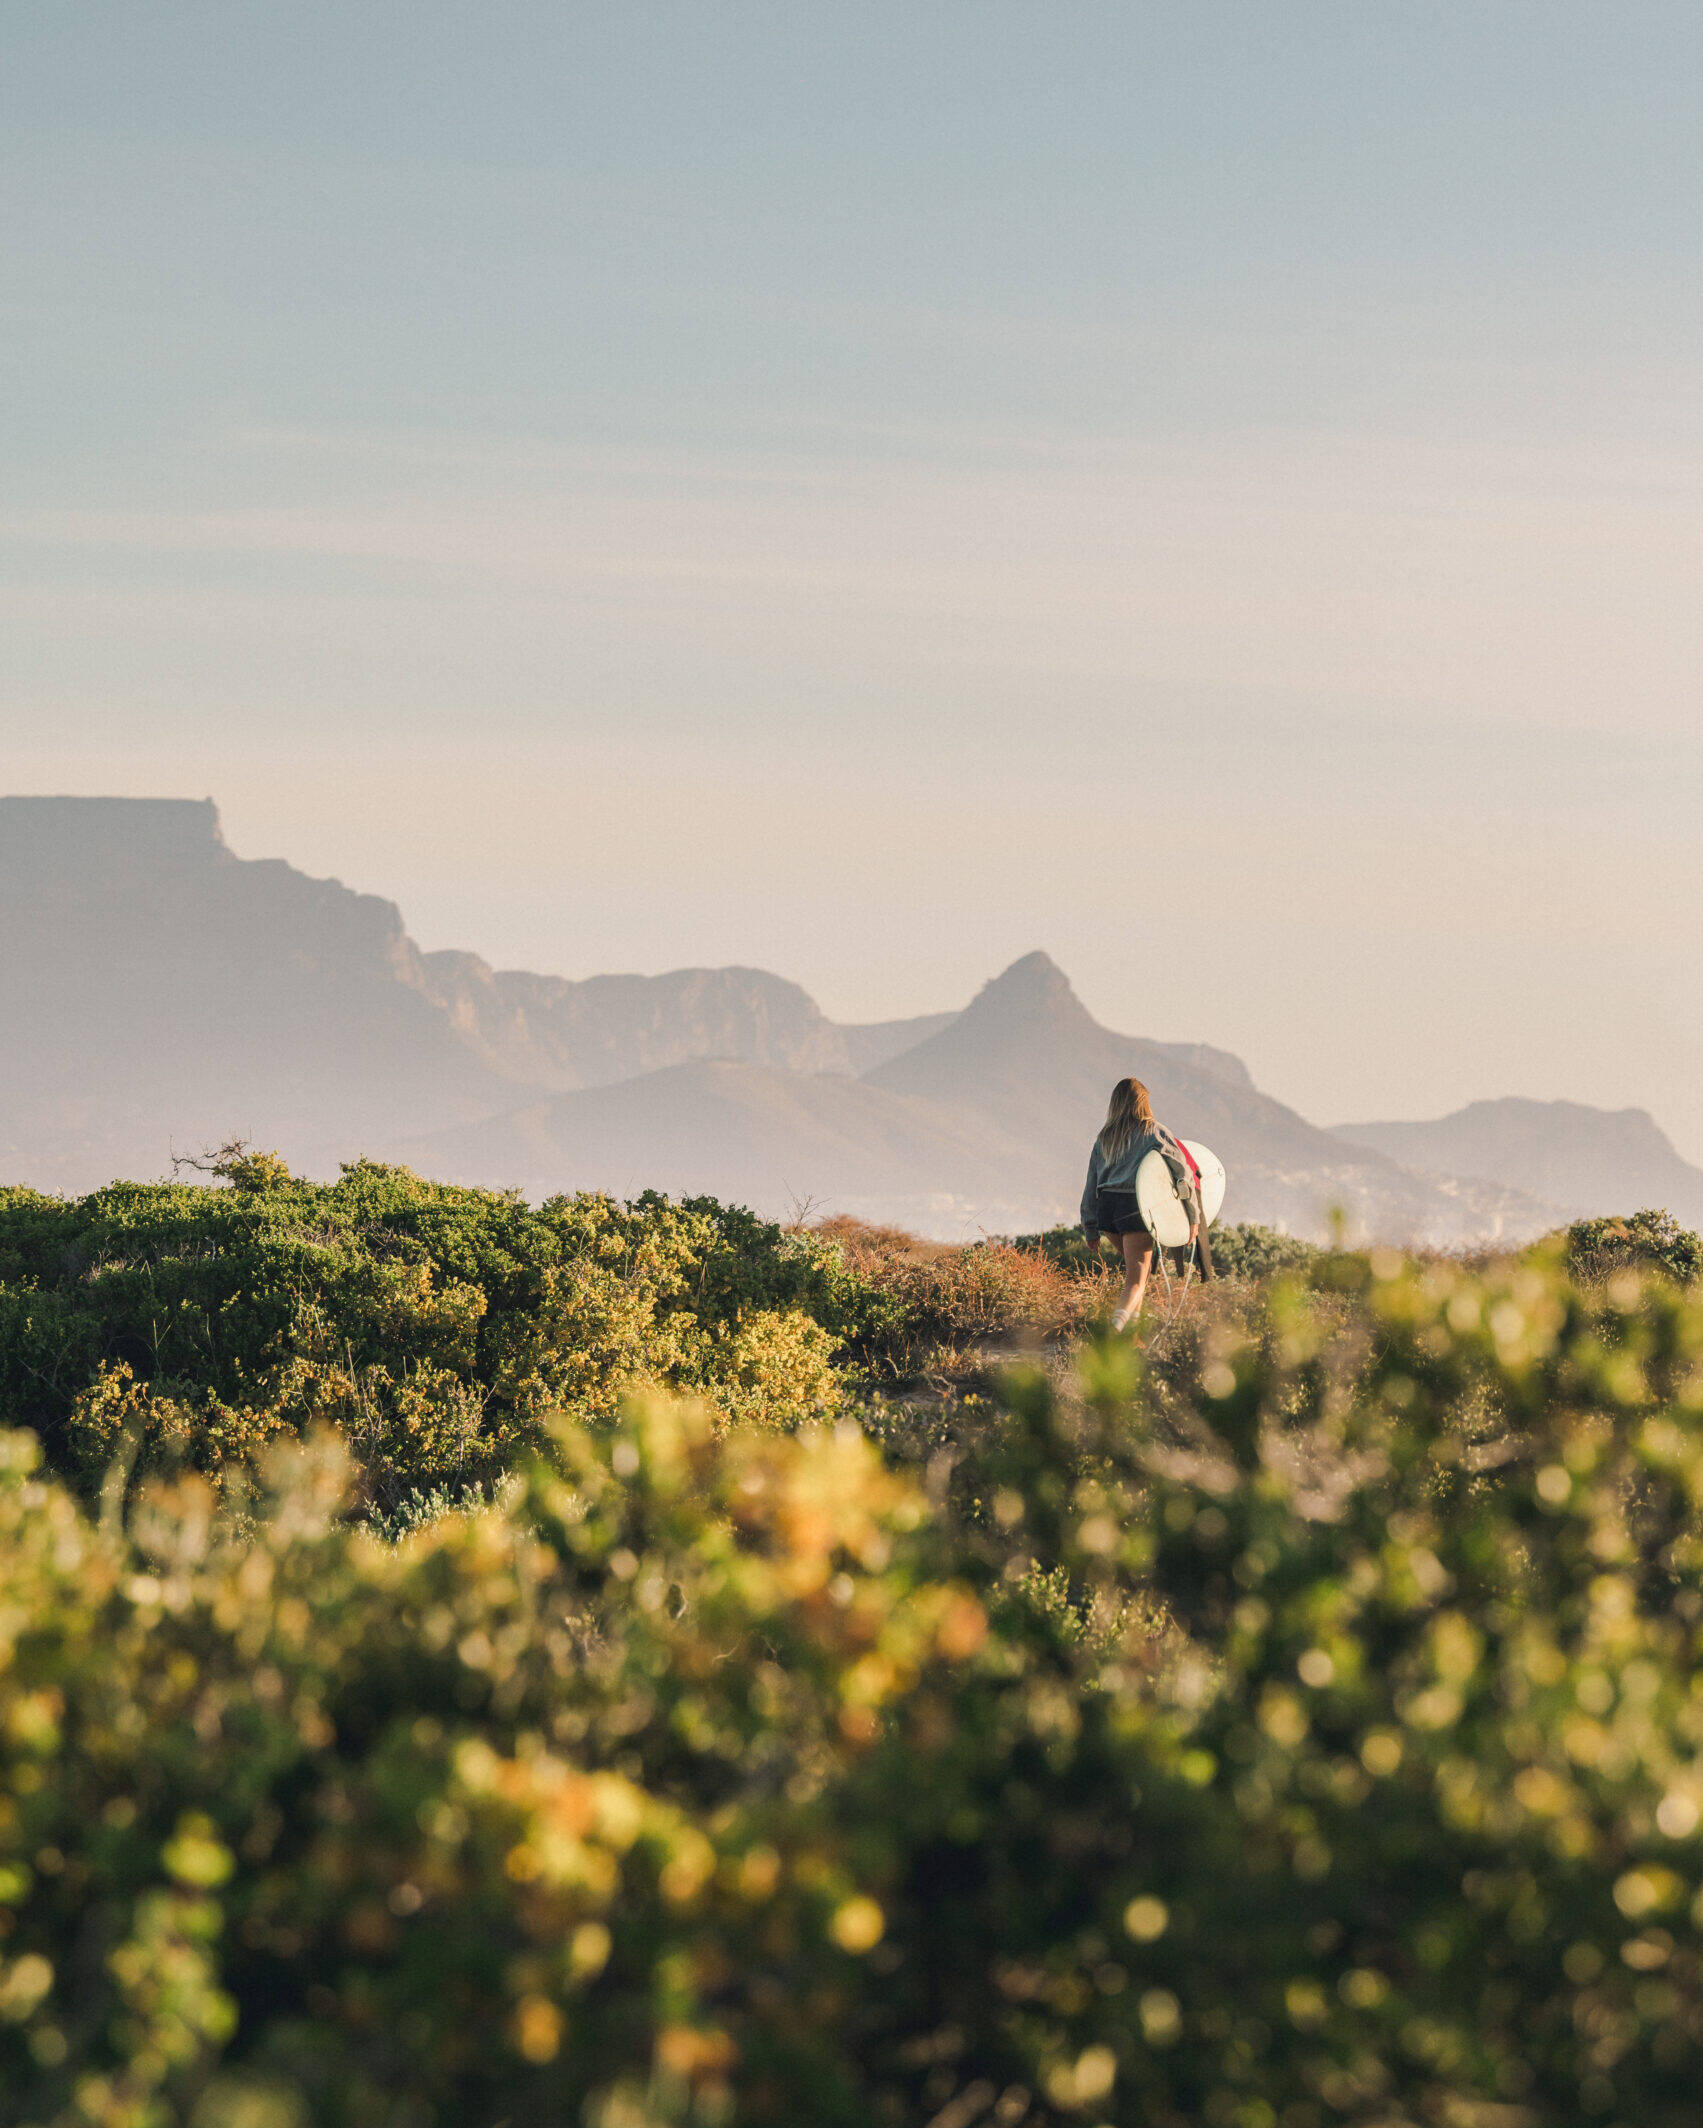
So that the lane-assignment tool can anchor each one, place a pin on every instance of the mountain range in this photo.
(162, 994)
(1586, 1160)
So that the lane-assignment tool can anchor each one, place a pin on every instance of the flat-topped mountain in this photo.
(163, 994)
(57, 845)
(160, 991)
(1589, 1160)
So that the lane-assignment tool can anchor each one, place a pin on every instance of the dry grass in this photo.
(988, 1291)
(957, 1314)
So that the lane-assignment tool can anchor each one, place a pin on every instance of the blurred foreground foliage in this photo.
(1307, 1729)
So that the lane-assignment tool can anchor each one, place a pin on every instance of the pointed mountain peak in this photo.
(1033, 988)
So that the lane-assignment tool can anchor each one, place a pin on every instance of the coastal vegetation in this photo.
(468, 1663)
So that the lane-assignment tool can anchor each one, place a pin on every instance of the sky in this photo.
(1212, 491)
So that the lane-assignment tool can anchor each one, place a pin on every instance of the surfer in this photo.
(1129, 1133)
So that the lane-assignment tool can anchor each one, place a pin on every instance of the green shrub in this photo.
(1317, 1744)
(1239, 1250)
(1246, 1251)
(418, 1510)
(433, 1327)
(1648, 1240)
(1062, 1246)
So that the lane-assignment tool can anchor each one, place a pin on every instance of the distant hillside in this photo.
(1586, 1160)
(771, 1139)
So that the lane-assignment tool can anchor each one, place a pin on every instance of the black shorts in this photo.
(1116, 1212)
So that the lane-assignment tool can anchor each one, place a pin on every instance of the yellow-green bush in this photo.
(1319, 1744)
(432, 1327)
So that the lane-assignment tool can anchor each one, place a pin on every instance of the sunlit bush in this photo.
(1647, 1241)
(432, 1327)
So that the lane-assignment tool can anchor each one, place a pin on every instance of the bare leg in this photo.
(1138, 1261)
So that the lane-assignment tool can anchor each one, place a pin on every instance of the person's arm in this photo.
(1090, 1192)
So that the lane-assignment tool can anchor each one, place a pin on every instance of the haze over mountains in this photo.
(161, 994)
(982, 1124)
(1583, 1159)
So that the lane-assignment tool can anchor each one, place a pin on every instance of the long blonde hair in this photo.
(1131, 1110)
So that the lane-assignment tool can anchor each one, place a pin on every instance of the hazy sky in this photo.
(1213, 491)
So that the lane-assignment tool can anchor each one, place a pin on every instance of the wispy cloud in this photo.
(1397, 574)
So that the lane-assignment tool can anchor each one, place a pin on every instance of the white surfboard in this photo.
(1163, 1212)
(1212, 1179)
